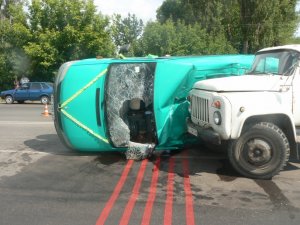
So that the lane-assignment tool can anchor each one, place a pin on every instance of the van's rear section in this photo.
(78, 105)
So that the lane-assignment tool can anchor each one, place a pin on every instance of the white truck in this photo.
(255, 115)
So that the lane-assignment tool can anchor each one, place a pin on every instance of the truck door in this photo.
(296, 97)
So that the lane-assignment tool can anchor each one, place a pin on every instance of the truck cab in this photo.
(254, 115)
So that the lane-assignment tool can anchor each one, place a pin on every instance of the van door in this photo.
(79, 100)
(171, 88)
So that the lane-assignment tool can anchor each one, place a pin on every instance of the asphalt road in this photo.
(42, 182)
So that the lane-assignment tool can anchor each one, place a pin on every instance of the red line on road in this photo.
(189, 206)
(169, 199)
(105, 212)
(152, 194)
(134, 195)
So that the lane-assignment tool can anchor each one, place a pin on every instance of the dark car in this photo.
(33, 91)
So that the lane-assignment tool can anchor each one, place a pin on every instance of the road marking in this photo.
(23, 151)
(106, 211)
(189, 205)
(170, 189)
(168, 210)
(152, 194)
(134, 195)
(26, 123)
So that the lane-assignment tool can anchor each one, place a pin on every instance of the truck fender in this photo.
(283, 121)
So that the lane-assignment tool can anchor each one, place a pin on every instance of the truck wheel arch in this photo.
(282, 121)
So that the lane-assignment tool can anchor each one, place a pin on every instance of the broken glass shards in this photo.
(129, 96)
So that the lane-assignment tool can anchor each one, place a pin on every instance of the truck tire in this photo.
(260, 152)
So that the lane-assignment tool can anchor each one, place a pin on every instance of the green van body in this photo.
(107, 104)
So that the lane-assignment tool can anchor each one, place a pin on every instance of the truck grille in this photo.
(200, 109)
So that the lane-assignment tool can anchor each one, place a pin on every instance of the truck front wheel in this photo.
(260, 152)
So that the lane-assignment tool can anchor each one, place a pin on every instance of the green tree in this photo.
(208, 14)
(13, 34)
(172, 38)
(173, 9)
(126, 30)
(267, 23)
(75, 31)
(247, 24)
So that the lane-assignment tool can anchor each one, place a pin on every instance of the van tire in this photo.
(260, 152)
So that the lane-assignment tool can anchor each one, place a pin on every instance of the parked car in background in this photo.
(33, 91)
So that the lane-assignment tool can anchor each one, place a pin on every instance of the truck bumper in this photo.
(205, 134)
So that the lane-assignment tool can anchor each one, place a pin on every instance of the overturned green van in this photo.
(135, 104)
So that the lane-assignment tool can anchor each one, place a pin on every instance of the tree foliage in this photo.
(126, 30)
(262, 27)
(170, 38)
(36, 41)
(248, 24)
(74, 31)
(13, 35)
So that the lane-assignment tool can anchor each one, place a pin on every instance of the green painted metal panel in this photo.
(173, 79)
(83, 107)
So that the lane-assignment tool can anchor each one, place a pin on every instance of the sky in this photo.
(143, 9)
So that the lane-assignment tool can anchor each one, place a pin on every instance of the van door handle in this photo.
(98, 107)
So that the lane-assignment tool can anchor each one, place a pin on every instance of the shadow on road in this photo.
(200, 159)
(50, 143)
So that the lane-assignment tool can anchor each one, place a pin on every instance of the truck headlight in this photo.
(217, 118)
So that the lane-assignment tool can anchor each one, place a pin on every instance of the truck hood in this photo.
(243, 83)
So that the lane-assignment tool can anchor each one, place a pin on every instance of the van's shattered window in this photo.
(129, 104)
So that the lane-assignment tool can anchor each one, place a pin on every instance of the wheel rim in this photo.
(258, 152)
(44, 100)
(9, 99)
(257, 155)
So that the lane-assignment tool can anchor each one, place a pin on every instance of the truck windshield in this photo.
(279, 62)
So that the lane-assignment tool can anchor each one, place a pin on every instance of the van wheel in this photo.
(260, 152)
(9, 99)
(44, 100)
